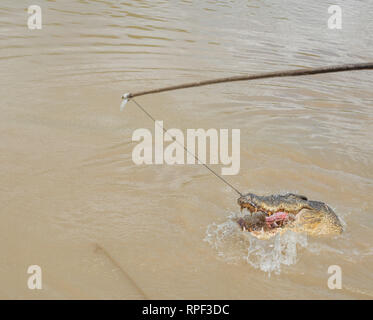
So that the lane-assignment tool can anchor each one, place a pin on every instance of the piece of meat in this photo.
(277, 219)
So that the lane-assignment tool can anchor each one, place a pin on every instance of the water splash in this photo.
(269, 255)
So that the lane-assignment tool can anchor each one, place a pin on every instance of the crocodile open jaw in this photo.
(277, 211)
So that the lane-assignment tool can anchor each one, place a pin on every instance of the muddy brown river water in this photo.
(99, 226)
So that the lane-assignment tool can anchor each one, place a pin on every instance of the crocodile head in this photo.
(289, 210)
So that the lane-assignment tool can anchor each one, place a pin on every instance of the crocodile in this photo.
(288, 211)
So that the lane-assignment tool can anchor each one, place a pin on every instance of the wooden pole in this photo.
(276, 74)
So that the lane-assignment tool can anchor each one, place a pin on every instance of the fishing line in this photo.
(182, 145)
(276, 74)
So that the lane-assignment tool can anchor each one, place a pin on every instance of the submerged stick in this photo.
(115, 263)
(275, 74)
